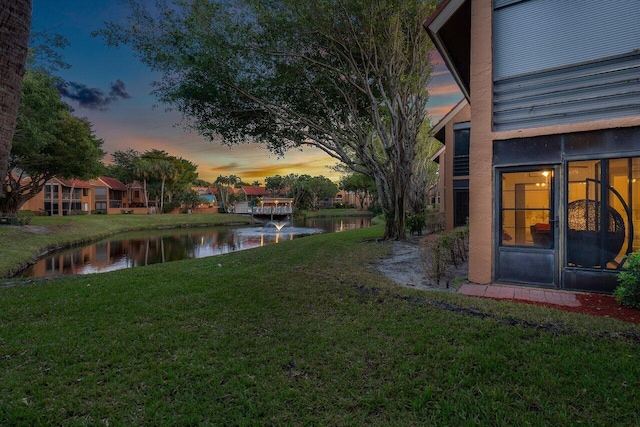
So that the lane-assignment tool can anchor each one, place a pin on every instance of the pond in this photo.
(158, 246)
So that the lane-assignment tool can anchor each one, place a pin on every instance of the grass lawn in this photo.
(301, 333)
(22, 244)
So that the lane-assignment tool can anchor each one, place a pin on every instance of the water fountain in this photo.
(279, 228)
(278, 225)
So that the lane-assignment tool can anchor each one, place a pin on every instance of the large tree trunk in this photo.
(15, 21)
(10, 205)
(392, 190)
(18, 190)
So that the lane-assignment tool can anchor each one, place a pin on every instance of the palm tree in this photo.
(15, 21)
(225, 185)
(143, 170)
(164, 169)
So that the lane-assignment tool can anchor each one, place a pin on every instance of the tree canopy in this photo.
(360, 184)
(166, 178)
(305, 190)
(225, 194)
(49, 141)
(346, 76)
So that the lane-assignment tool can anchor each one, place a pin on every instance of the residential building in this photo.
(62, 197)
(553, 89)
(207, 195)
(136, 195)
(253, 194)
(110, 195)
(453, 130)
(350, 198)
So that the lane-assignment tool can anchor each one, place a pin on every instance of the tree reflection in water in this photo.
(159, 246)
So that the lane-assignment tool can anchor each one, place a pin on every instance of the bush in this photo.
(434, 222)
(416, 224)
(628, 291)
(441, 251)
(169, 206)
(24, 217)
(375, 209)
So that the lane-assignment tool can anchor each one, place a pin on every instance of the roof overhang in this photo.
(450, 29)
(438, 130)
(437, 154)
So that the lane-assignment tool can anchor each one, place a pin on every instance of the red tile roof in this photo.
(76, 183)
(113, 183)
(253, 190)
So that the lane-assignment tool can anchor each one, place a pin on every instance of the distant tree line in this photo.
(166, 179)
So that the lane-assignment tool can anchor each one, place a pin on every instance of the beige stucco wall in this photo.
(481, 195)
(480, 146)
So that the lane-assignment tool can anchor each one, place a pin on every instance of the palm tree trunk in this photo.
(162, 196)
(146, 196)
(73, 186)
(15, 21)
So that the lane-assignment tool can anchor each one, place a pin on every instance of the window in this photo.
(51, 208)
(101, 193)
(101, 207)
(85, 192)
(602, 203)
(460, 207)
(51, 191)
(461, 135)
(526, 208)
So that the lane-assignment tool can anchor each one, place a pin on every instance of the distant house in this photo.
(546, 155)
(453, 160)
(135, 195)
(208, 202)
(62, 197)
(350, 198)
(254, 193)
(110, 195)
(206, 194)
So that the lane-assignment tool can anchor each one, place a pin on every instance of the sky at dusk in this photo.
(112, 89)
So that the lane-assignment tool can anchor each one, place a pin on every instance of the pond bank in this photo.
(45, 234)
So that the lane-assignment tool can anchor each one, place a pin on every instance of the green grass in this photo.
(301, 333)
(22, 244)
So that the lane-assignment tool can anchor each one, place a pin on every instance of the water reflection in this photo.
(159, 246)
(334, 225)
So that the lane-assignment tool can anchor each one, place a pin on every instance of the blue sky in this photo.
(128, 119)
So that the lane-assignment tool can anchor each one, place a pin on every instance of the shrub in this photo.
(434, 222)
(169, 206)
(628, 291)
(416, 224)
(24, 217)
(375, 209)
(441, 251)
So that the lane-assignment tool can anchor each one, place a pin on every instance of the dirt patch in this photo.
(36, 229)
(405, 267)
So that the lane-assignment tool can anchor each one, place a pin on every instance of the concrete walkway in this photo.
(562, 298)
